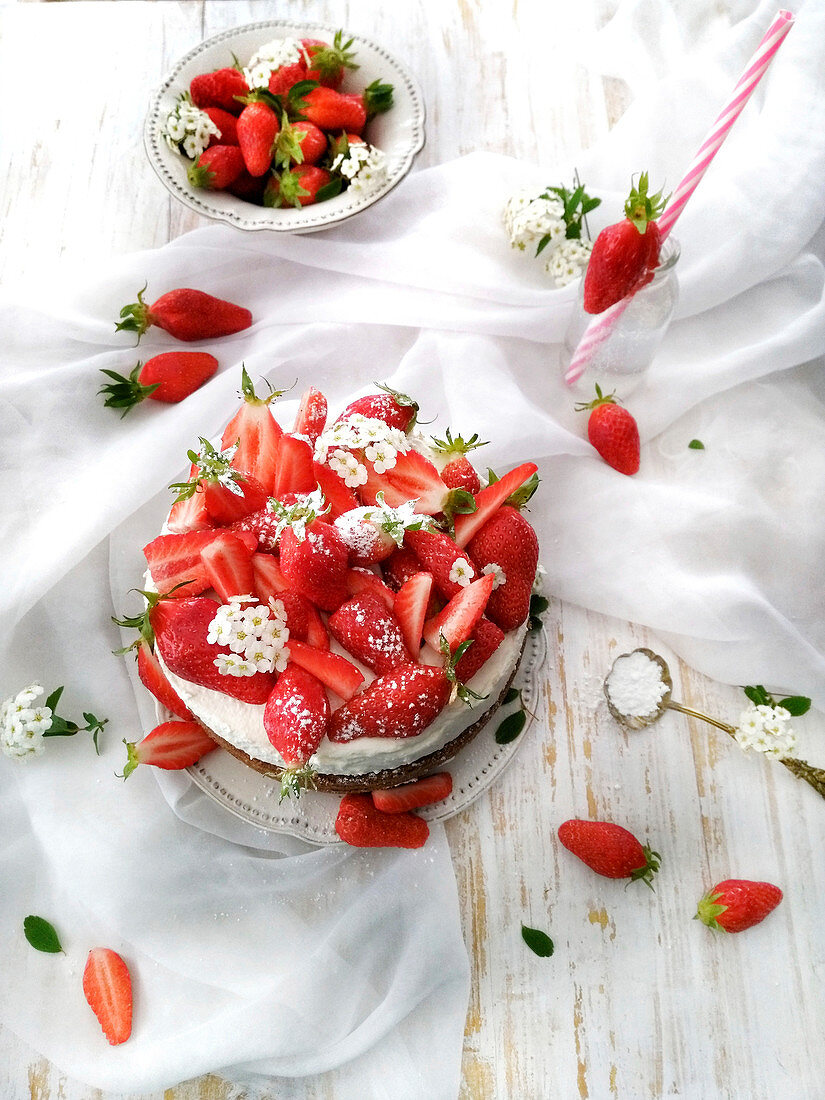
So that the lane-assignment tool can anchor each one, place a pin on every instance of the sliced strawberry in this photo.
(228, 565)
(225, 506)
(412, 796)
(154, 680)
(316, 565)
(269, 580)
(312, 412)
(367, 630)
(359, 580)
(401, 703)
(257, 434)
(340, 498)
(361, 825)
(410, 609)
(438, 554)
(486, 638)
(458, 619)
(394, 408)
(333, 670)
(107, 987)
(489, 499)
(413, 477)
(176, 558)
(294, 473)
(171, 746)
(181, 628)
(189, 515)
(296, 715)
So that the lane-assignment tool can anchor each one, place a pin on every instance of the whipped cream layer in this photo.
(241, 724)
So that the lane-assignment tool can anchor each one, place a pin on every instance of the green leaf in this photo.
(758, 696)
(796, 705)
(696, 445)
(329, 190)
(511, 727)
(54, 699)
(543, 243)
(538, 604)
(511, 696)
(538, 942)
(41, 935)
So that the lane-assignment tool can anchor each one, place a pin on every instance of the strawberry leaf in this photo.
(511, 695)
(538, 942)
(796, 705)
(329, 190)
(511, 727)
(696, 445)
(41, 935)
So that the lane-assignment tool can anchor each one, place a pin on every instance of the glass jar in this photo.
(620, 360)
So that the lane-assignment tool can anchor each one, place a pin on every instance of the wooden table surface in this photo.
(638, 1000)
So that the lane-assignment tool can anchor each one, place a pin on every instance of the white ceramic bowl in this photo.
(399, 132)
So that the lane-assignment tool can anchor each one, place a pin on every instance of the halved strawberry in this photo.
(412, 796)
(333, 670)
(489, 499)
(367, 630)
(296, 717)
(458, 619)
(359, 580)
(154, 680)
(228, 494)
(170, 746)
(228, 565)
(410, 609)
(439, 555)
(413, 477)
(394, 408)
(362, 825)
(257, 434)
(189, 515)
(400, 703)
(338, 495)
(107, 987)
(176, 558)
(294, 473)
(269, 580)
(316, 565)
(486, 638)
(312, 412)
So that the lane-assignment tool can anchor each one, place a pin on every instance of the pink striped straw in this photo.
(602, 324)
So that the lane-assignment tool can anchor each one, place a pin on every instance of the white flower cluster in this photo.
(270, 57)
(256, 637)
(529, 219)
(500, 577)
(308, 507)
(218, 464)
(765, 729)
(22, 724)
(379, 443)
(188, 129)
(462, 572)
(364, 165)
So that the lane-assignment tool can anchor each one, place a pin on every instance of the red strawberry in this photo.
(189, 515)
(216, 168)
(338, 495)
(438, 554)
(333, 670)
(258, 127)
(228, 494)
(613, 432)
(609, 850)
(286, 77)
(394, 408)
(181, 628)
(312, 415)
(624, 255)
(457, 621)
(367, 630)
(263, 525)
(299, 143)
(410, 610)
(107, 987)
(154, 680)
(360, 824)
(257, 433)
(168, 377)
(486, 638)
(508, 541)
(413, 477)
(171, 746)
(399, 567)
(226, 123)
(459, 472)
(249, 188)
(228, 565)
(176, 558)
(490, 499)
(332, 110)
(316, 565)
(328, 62)
(185, 314)
(367, 540)
(302, 185)
(296, 715)
(303, 620)
(269, 580)
(218, 89)
(400, 703)
(737, 903)
(294, 473)
(412, 796)
(360, 580)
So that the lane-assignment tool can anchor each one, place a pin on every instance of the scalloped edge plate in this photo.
(399, 132)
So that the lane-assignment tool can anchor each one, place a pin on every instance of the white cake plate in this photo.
(252, 797)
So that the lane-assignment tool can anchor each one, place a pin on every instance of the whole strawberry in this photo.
(613, 432)
(168, 377)
(361, 824)
(303, 185)
(625, 255)
(609, 850)
(458, 472)
(217, 168)
(185, 314)
(737, 904)
(394, 408)
(315, 566)
(219, 89)
(258, 127)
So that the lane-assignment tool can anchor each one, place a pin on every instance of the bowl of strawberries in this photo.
(291, 127)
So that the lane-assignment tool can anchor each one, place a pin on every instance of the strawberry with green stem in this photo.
(610, 850)
(258, 126)
(361, 824)
(186, 314)
(333, 110)
(216, 169)
(256, 434)
(459, 472)
(296, 717)
(613, 431)
(170, 746)
(328, 61)
(303, 185)
(228, 494)
(736, 904)
(168, 377)
(396, 410)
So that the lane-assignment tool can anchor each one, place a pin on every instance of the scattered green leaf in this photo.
(511, 696)
(796, 705)
(696, 445)
(538, 942)
(511, 727)
(41, 935)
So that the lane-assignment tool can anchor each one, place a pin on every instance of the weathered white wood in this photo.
(638, 1000)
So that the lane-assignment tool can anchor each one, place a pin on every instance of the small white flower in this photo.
(277, 608)
(280, 660)
(765, 729)
(498, 573)
(568, 261)
(383, 456)
(462, 572)
(22, 725)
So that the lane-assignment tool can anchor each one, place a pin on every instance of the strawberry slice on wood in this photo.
(410, 609)
(227, 560)
(370, 632)
(296, 717)
(256, 433)
(170, 746)
(360, 824)
(489, 499)
(107, 987)
(412, 796)
(333, 670)
(154, 680)
(458, 619)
